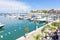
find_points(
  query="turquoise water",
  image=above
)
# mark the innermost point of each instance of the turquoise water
(14, 28)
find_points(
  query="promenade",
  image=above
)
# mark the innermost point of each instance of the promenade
(30, 35)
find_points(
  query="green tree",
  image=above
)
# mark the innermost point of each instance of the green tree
(44, 11)
(57, 24)
(32, 11)
(38, 36)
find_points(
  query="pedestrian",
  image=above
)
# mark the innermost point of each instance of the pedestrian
(55, 36)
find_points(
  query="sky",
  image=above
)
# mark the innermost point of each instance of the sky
(19, 6)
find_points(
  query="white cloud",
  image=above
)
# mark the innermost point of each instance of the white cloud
(13, 6)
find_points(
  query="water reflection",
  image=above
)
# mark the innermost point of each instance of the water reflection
(2, 29)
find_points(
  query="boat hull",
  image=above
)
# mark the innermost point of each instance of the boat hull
(1, 26)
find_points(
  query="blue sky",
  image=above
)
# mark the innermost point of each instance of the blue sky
(17, 6)
(43, 4)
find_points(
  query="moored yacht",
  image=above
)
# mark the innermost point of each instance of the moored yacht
(1, 25)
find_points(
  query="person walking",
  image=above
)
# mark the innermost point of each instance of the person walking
(55, 36)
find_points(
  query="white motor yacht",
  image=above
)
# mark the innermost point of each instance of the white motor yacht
(1, 25)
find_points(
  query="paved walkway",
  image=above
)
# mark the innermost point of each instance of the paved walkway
(21, 38)
(29, 36)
